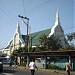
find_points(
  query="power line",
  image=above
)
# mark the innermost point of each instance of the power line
(5, 11)
(38, 7)
(6, 26)
(24, 7)
(69, 28)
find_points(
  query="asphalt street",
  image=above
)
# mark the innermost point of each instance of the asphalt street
(26, 72)
(23, 71)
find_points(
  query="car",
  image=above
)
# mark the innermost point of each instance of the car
(1, 65)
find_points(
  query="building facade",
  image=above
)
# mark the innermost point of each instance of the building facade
(20, 40)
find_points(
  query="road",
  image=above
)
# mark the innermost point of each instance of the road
(26, 72)
(17, 71)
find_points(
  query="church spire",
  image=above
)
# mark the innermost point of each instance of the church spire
(18, 28)
(57, 16)
(57, 22)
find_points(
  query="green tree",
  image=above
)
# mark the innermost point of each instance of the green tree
(43, 39)
(50, 43)
(71, 37)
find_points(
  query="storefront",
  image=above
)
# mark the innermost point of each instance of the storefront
(63, 55)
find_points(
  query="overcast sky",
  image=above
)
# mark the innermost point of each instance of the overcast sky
(41, 14)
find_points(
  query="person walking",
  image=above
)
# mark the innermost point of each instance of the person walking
(15, 62)
(32, 67)
(11, 62)
(68, 67)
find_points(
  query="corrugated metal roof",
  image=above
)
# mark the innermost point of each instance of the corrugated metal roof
(35, 36)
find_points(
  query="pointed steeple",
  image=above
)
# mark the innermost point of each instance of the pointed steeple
(57, 16)
(18, 28)
(57, 22)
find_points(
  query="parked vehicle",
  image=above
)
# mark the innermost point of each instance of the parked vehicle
(1, 65)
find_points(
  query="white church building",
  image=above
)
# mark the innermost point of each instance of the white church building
(19, 40)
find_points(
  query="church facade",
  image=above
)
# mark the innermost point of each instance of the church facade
(20, 40)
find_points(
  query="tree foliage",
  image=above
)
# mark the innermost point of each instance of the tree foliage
(71, 37)
(70, 47)
(50, 43)
(20, 49)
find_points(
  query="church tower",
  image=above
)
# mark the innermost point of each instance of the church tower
(17, 40)
(57, 30)
(18, 28)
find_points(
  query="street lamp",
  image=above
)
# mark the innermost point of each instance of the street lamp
(27, 24)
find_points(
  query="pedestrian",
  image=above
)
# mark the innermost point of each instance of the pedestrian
(68, 67)
(32, 67)
(11, 62)
(15, 62)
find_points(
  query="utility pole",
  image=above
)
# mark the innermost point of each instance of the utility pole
(27, 24)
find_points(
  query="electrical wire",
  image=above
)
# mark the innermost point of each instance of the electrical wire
(24, 7)
(37, 8)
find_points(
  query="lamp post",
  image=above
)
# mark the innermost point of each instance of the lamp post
(27, 24)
